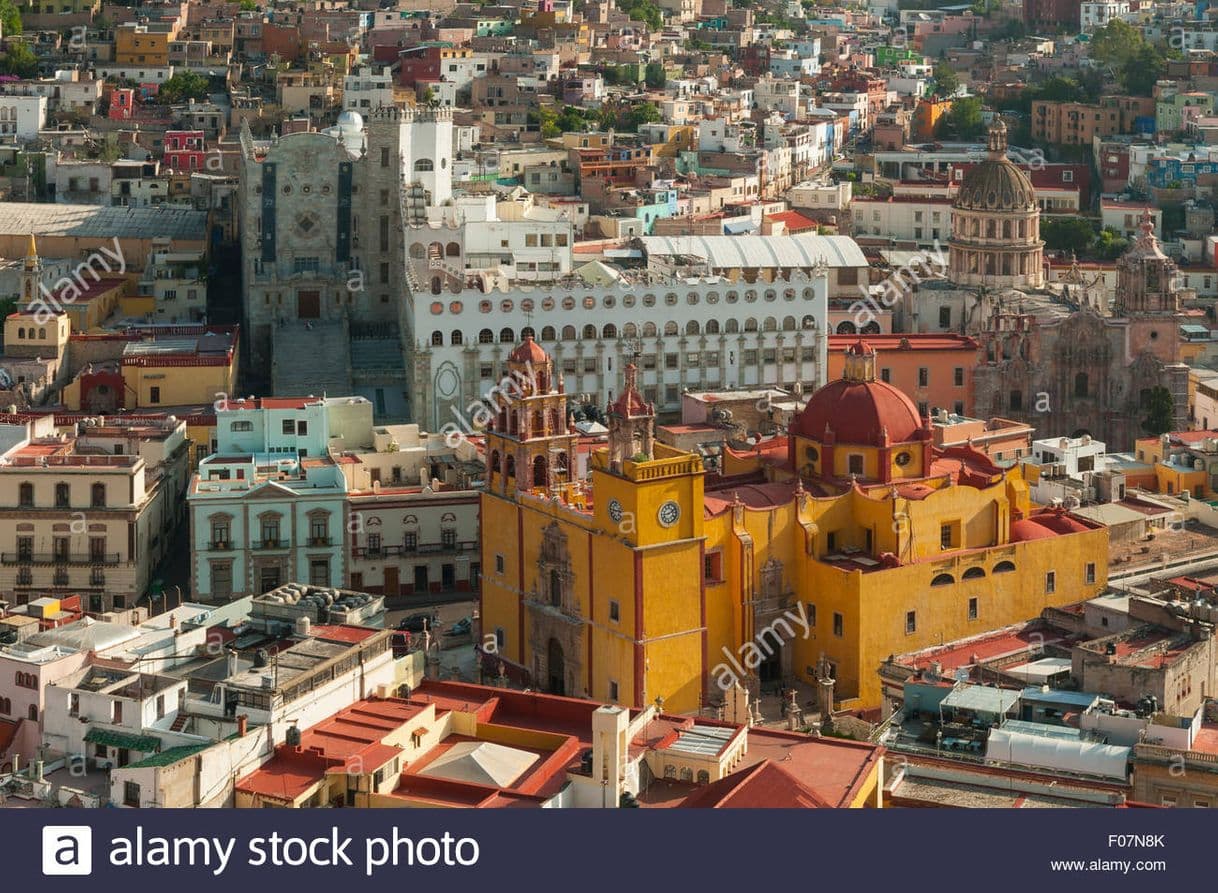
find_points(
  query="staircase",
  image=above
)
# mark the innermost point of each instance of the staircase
(180, 722)
(311, 357)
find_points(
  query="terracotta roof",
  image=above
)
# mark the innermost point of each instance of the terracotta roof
(764, 786)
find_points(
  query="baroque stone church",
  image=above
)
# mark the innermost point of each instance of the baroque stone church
(1062, 358)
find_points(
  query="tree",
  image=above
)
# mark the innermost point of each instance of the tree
(963, 122)
(182, 86)
(1144, 68)
(10, 18)
(655, 76)
(1115, 44)
(548, 119)
(248, 5)
(19, 60)
(1067, 233)
(1109, 245)
(947, 82)
(643, 11)
(643, 113)
(1160, 412)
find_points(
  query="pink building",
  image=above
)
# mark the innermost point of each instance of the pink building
(184, 150)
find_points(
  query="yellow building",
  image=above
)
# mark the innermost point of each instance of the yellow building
(849, 540)
(139, 45)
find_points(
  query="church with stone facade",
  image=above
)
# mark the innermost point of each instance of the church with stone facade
(1068, 357)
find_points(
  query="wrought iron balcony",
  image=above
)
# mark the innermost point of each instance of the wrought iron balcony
(270, 544)
(74, 559)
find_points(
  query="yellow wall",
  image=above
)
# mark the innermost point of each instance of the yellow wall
(180, 385)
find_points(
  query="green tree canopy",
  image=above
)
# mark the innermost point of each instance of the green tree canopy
(10, 18)
(19, 60)
(1115, 44)
(183, 86)
(963, 122)
(1160, 412)
(655, 76)
(947, 82)
(1147, 65)
(1067, 233)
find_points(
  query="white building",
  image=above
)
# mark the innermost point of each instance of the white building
(707, 313)
(1095, 14)
(1070, 456)
(921, 220)
(22, 116)
(366, 90)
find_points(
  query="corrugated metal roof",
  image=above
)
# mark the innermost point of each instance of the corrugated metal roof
(981, 699)
(803, 250)
(102, 222)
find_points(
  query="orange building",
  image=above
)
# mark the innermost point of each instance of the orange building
(936, 370)
(926, 117)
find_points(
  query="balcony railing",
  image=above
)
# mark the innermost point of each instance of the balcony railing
(76, 559)
(320, 541)
(270, 544)
(220, 546)
(420, 549)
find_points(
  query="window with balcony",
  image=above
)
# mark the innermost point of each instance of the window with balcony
(319, 530)
(98, 500)
(25, 497)
(60, 548)
(220, 533)
(374, 544)
(410, 541)
(63, 497)
(270, 532)
(448, 538)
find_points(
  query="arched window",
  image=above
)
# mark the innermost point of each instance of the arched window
(98, 496)
(973, 573)
(788, 323)
(1004, 567)
(770, 324)
(846, 327)
(691, 327)
(540, 472)
(452, 249)
(486, 336)
(943, 580)
(33, 713)
(670, 328)
(455, 338)
(712, 327)
(872, 328)
(649, 330)
(528, 332)
(25, 496)
(6, 706)
(21, 333)
(808, 322)
(424, 164)
(510, 469)
(731, 327)
(418, 250)
(437, 339)
(609, 331)
(630, 330)
(568, 333)
(1080, 385)
(589, 333)
(506, 336)
(437, 285)
(42, 334)
(750, 325)
(495, 462)
(548, 333)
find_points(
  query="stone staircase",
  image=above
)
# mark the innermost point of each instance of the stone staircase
(311, 357)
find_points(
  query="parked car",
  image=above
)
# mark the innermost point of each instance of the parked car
(416, 623)
(461, 628)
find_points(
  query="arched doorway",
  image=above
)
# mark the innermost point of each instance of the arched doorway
(556, 683)
(540, 475)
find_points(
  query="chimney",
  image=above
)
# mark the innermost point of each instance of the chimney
(242, 725)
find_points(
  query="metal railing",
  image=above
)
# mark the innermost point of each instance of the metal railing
(82, 559)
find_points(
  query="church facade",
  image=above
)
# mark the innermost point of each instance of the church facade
(810, 559)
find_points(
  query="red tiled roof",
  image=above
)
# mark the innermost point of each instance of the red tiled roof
(764, 786)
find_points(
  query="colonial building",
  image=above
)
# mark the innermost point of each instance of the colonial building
(808, 560)
(90, 512)
(1084, 371)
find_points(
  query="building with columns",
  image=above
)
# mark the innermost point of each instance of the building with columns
(995, 233)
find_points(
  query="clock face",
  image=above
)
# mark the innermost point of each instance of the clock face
(615, 511)
(669, 513)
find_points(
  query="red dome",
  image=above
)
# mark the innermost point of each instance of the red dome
(529, 351)
(1026, 529)
(858, 411)
(1059, 522)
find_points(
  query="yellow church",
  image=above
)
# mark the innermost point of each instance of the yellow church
(823, 552)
